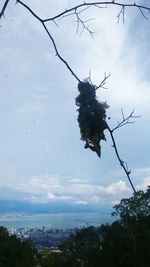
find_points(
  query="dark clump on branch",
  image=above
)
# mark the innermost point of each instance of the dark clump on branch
(92, 117)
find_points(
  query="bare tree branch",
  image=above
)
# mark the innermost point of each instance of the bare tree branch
(76, 10)
(100, 4)
(51, 38)
(103, 82)
(58, 54)
(143, 13)
(4, 8)
(73, 13)
(121, 13)
(125, 120)
(122, 163)
(83, 24)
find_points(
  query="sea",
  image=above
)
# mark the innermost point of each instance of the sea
(55, 220)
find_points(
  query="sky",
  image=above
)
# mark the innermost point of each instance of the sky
(42, 158)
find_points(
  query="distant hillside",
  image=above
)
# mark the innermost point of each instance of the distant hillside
(54, 207)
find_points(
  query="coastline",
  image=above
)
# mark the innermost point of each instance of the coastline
(54, 220)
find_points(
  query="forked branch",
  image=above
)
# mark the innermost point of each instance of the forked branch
(100, 4)
(103, 82)
(126, 120)
(76, 11)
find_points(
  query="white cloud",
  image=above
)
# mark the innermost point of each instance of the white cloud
(51, 196)
(142, 171)
(50, 188)
(113, 189)
(81, 202)
(144, 184)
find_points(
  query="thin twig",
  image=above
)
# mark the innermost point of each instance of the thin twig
(143, 13)
(83, 23)
(125, 120)
(100, 4)
(4, 8)
(81, 11)
(121, 13)
(101, 85)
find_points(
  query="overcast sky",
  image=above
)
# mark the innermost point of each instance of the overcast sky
(41, 155)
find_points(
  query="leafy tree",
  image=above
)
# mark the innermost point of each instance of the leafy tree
(124, 243)
(83, 247)
(14, 252)
(134, 207)
(53, 259)
(115, 246)
(134, 220)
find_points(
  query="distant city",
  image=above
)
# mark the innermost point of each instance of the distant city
(48, 225)
(44, 238)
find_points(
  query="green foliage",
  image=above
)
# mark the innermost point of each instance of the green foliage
(91, 118)
(14, 252)
(126, 246)
(124, 243)
(83, 247)
(134, 207)
(52, 259)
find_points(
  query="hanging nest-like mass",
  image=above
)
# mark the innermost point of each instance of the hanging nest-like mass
(92, 117)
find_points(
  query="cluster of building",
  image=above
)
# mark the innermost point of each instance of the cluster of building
(45, 237)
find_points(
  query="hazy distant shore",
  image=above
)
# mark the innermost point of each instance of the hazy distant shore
(54, 220)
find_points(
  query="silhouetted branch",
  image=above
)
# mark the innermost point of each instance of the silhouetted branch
(73, 13)
(83, 24)
(125, 120)
(51, 38)
(101, 85)
(77, 10)
(99, 4)
(121, 13)
(122, 163)
(30, 10)
(143, 13)
(58, 54)
(4, 8)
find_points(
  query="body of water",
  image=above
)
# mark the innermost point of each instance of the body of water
(55, 220)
